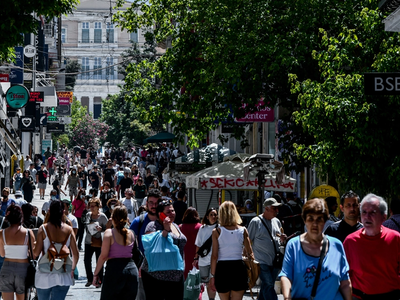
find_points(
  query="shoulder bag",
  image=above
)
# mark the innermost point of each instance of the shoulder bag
(253, 270)
(206, 247)
(318, 274)
(278, 260)
(30, 275)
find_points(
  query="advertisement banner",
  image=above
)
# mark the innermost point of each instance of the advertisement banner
(17, 74)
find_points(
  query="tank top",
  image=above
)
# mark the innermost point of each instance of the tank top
(230, 244)
(120, 251)
(16, 251)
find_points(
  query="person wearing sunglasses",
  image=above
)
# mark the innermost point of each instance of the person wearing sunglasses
(171, 280)
(203, 261)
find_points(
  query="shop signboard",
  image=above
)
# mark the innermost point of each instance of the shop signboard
(17, 74)
(17, 96)
(261, 114)
(27, 123)
(46, 144)
(382, 83)
(65, 98)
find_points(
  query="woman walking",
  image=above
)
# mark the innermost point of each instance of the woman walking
(27, 185)
(78, 207)
(14, 247)
(121, 276)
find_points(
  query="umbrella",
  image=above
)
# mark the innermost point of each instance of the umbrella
(160, 137)
(229, 175)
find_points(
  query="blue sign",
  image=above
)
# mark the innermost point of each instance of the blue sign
(17, 75)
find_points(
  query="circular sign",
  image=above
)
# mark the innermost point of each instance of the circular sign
(323, 191)
(29, 51)
(17, 96)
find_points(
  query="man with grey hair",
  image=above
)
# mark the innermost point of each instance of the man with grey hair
(266, 235)
(373, 253)
(130, 204)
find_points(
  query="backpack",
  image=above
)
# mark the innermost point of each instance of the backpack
(57, 259)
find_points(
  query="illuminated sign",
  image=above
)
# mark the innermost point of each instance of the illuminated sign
(36, 97)
(17, 96)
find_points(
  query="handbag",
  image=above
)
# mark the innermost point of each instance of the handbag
(96, 242)
(192, 286)
(161, 253)
(318, 274)
(31, 272)
(206, 247)
(278, 259)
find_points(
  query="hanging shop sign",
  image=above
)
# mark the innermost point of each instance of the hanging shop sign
(17, 96)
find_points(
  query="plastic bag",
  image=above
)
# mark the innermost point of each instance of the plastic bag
(192, 285)
(161, 253)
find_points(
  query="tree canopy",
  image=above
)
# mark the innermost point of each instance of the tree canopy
(17, 17)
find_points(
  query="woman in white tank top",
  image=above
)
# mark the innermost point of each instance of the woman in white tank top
(228, 271)
(14, 247)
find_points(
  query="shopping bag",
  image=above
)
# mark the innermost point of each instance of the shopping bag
(161, 253)
(192, 285)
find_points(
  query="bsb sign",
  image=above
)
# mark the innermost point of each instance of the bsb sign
(382, 83)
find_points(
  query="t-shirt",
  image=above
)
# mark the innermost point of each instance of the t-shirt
(300, 268)
(93, 154)
(95, 177)
(79, 207)
(135, 228)
(374, 261)
(102, 220)
(131, 206)
(341, 229)
(204, 233)
(50, 161)
(108, 175)
(263, 249)
(125, 183)
(83, 153)
(180, 208)
(4, 205)
(73, 219)
(140, 191)
(392, 222)
(42, 174)
(73, 182)
(120, 175)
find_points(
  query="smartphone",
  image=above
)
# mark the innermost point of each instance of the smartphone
(162, 216)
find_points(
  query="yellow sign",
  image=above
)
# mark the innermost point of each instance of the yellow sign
(66, 95)
(324, 191)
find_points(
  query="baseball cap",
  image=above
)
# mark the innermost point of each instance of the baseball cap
(271, 202)
(18, 193)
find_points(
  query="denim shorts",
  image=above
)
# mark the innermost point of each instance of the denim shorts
(205, 273)
(12, 277)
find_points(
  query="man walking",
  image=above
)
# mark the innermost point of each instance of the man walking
(130, 204)
(265, 234)
(373, 253)
(349, 205)
(41, 177)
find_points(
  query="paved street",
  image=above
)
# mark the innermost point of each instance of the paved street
(79, 291)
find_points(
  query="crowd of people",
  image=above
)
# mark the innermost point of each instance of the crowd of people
(113, 203)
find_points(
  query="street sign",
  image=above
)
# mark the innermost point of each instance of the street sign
(4, 78)
(27, 123)
(55, 127)
(63, 110)
(43, 119)
(29, 51)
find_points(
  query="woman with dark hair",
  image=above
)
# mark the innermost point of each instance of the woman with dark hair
(27, 184)
(209, 223)
(169, 283)
(96, 223)
(55, 285)
(121, 276)
(190, 227)
(106, 194)
(14, 247)
(79, 205)
(30, 221)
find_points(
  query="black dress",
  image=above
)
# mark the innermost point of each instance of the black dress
(27, 185)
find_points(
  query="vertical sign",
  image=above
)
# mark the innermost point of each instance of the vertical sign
(17, 74)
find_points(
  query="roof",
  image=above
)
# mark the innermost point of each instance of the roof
(389, 5)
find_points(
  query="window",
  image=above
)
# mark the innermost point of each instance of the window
(133, 37)
(97, 65)
(96, 111)
(110, 68)
(63, 34)
(85, 68)
(110, 33)
(97, 32)
(85, 32)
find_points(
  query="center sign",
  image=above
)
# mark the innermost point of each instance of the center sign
(17, 96)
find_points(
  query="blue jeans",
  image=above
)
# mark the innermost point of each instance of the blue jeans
(58, 292)
(268, 276)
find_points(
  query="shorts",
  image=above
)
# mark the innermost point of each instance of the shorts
(12, 277)
(51, 171)
(205, 273)
(42, 185)
(231, 275)
(73, 192)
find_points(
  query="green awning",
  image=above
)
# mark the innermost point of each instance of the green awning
(160, 137)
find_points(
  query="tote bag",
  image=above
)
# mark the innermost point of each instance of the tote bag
(161, 253)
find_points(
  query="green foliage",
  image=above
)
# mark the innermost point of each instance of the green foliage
(17, 17)
(127, 113)
(88, 132)
(61, 139)
(78, 112)
(72, 67)
(356, 136)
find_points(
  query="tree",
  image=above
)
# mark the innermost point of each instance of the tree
(88, 132)
(356, 136)
(18, 16)
(72, 68)
(78, 112)
(127, 118)
(229, 53)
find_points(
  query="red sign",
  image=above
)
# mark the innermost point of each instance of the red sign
(227, 183)
(36, 97)
(4, 78)
(262, 114)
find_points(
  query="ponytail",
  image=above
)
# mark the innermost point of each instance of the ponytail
(120, 218)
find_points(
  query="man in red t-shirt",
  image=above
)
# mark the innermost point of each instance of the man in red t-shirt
(373, 253)
(50, 166)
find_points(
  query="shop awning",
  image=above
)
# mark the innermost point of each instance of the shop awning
(160, 137)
